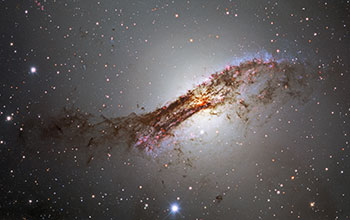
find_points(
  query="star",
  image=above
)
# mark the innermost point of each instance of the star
(174, 208)
(33, 70)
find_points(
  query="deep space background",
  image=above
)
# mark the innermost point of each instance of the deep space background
(111, 58)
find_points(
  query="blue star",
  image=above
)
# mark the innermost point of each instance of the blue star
(174, 208)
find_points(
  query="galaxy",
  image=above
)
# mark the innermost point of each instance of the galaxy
(174, 110)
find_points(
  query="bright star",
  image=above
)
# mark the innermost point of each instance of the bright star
(174, 208)
(33, 70)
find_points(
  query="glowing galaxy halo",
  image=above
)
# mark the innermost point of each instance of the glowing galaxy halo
(237, 93)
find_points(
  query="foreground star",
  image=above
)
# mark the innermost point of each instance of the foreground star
(174, 208)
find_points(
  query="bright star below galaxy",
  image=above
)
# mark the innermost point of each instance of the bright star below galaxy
(174, 208)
